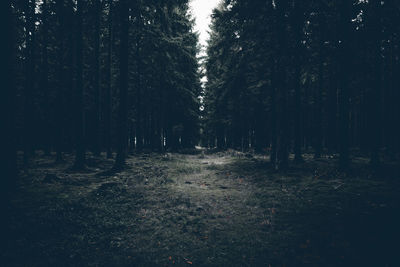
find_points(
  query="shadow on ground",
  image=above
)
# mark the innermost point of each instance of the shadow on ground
(209, 210)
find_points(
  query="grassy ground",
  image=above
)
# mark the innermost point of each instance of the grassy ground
(221, 209)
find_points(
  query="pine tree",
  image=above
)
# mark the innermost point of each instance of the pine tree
(96, 130)
(344, 62)
(79, 110)
(30, 74)
(123, 86)
(8, 157)
(108, 100)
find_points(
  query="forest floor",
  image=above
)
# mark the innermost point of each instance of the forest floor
(220, 209)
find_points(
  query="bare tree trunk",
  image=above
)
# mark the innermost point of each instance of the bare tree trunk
(8, 158)
(108, 100)
(282, 93)
(96, 133)
(80, 143)
(298, 28)
(29, 81)
(123, 90)
(318, 98)
(60, 109)
(375, 124)
(344, 59)
(45, 82)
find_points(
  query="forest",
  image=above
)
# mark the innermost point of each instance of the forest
(126, 142)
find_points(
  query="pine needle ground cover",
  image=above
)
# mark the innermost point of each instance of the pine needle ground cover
(220, 209)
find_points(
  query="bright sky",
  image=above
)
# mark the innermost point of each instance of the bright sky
(201, 10)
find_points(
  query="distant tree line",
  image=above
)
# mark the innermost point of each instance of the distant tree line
(289, 75)
(102, 76)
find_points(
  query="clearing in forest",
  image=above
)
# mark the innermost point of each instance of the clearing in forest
(206, 210)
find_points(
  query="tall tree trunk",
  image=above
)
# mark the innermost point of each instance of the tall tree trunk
(318, 98)
(29, 80)
(8, 157)
(392, 101)
(297, 116)
(375, 124)
(395, 94)
(80, 142)
(45, 82)
(332, 108)
(282, 119)
(123, 90)
(298, 29)
(345, 61)
(139, 112)
(96, 133)
(108, 100)
(60, 108)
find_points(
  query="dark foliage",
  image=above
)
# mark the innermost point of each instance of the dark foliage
(294, 75)
(72, 58)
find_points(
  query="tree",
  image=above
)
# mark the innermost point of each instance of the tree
(8, 154)
(79, 112)
(375, 125)
(344, 63)
(44, 83)
(282, 90)
(60, 109)
(264, 55)
(319, 89)
(123, 86)
(30, 31)
(96, 132)
(297, 24)
(108, 100)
